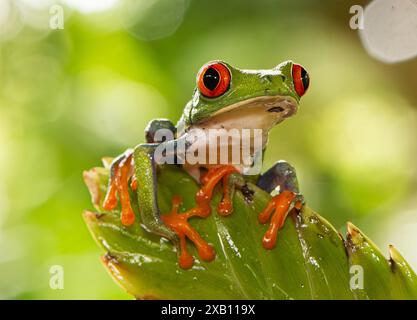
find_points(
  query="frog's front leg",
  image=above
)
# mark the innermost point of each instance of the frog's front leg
(283, 176)
(231, 182)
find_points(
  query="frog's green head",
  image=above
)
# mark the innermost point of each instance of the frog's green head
(224, 90)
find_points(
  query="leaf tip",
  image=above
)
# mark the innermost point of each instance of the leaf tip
(352, 230)
(90, 216)
(395, 255)
(354, 237)
(106, 161)
(91, 180)
(108, 258)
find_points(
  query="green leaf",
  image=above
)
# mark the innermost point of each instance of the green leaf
(311, 259)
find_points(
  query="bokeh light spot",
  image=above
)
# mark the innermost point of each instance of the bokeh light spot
(389, 32)
(117, 109)
(91, 6)
(153, 19)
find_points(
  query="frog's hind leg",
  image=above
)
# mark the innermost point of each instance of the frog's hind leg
(281, 176)
(145, 172)
(179, 223)
(173, 225)
(121, 171)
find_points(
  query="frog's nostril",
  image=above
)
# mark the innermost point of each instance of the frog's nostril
(276, 109)
(267, 78)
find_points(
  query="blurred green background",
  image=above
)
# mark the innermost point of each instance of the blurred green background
(69, 97)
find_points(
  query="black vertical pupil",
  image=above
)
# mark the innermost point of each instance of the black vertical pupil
(305, 78)
(211, 78)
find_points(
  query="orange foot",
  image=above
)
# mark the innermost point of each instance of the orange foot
(209, 182)
(179, 223)
(282, 204)
(122, 171)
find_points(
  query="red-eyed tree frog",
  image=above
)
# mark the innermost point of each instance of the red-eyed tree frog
(225, 98)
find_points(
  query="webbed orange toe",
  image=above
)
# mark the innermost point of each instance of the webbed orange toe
(119, 185)
(279, 207)
(179, 223)
(225, 206)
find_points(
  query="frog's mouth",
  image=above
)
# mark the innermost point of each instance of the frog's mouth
(256, 113)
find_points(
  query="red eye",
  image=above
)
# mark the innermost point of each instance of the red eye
(213, 80)
(300, 78)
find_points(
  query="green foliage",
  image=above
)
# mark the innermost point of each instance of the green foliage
(311, 259)
(69, 96)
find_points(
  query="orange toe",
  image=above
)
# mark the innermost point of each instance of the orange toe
(119, 185)
(279, 207)
(179, 223)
